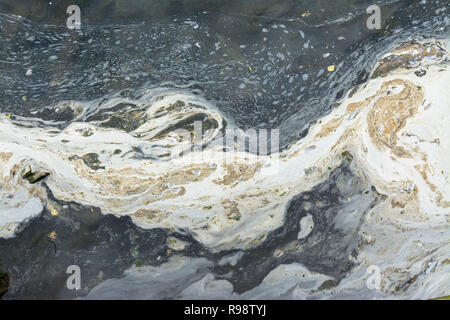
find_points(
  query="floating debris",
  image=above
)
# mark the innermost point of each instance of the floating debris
(33, 177)
(328, 284)
(420, 73)
(87, 132)
(306, 14)
(408, 55)
(91, 160)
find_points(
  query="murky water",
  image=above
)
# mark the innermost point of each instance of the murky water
(262, 64)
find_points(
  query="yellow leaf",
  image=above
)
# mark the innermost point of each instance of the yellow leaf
(306, 14)
(54, 212)
(331, 68)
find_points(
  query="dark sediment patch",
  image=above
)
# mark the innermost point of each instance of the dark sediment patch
(188, 124)
(128, 123)
(63, 114)
(91, 160)
(33, 176)
(174, 107)
(124, 116)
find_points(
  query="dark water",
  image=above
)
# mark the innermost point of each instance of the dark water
(260, 62)
(103, 246)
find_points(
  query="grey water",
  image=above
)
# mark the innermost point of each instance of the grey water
(263, 63)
